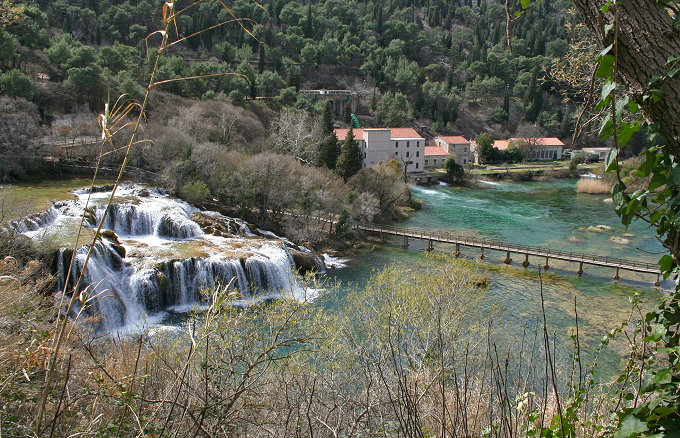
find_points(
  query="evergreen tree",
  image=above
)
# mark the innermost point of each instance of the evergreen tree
(327, 119)
(531, 89)
(454, 170)
(309, 29)
(506, 100)
(536, 106)
(350, 158)
(347, 116)
(485, 144)
(260, 61)
(328, 148)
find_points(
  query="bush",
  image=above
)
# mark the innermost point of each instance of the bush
(16, 84)
(195, 192)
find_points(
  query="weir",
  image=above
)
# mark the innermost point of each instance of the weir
(509, 248)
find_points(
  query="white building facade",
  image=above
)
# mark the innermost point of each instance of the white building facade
(380, 145)
(458, 147)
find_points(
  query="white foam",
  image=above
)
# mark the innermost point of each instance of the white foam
(334, 262)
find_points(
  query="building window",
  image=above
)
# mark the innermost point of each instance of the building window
(464, 161)
(407, 154)
(416, 165)
(396, 153)
(417, 154)
(417, 144)
(407, 144)
(435, 162)
(396, 144)
(426, 162)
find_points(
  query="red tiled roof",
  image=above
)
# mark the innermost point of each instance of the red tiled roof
(454, 139)
(404, 133)
(501, 144)
(435, 150)
(542, 141)
(394, 133)
(341, 133)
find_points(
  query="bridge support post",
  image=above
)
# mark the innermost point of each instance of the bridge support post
(657, 283)
(546, 266)
(481, 257)
(457, 253)
(507, 258)
(430, 247)
(580, 269)
(525, 263)
(616, 275)
(405, 245)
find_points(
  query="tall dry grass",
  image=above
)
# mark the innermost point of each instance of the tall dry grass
(593, 186)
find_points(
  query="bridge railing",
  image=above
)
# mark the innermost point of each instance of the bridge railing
(504, 246)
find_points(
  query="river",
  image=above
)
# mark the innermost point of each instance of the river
(550, 214)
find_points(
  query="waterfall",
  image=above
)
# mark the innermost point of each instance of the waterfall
(132, 280)
(121, 295)
(150, 220)
(35, 221)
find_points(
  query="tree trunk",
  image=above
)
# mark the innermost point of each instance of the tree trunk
(646, 40)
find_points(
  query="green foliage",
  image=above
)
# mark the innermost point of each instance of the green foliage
(485, 147)
(498, 115)
(195, 192)
(15, 83)
(393, 110)
(454, 170)
(350, 159)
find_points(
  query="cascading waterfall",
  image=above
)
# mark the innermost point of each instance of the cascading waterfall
(35, 221)
(122, 292)
(143, 220)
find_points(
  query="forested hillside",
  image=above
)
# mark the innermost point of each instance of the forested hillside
(444, 63)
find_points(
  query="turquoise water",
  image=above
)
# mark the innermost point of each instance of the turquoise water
(549, 214)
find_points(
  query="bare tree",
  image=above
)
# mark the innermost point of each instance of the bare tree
(297, 133)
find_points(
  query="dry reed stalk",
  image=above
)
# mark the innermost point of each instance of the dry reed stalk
(593, 186)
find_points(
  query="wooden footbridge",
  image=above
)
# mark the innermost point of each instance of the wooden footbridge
(509, 249)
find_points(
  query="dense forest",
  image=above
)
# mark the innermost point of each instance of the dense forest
(443, 67)
(447, 64)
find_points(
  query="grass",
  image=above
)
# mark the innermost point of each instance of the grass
(593, 186)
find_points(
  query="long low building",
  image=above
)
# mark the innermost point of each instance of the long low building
(382, 144)
(535, 149)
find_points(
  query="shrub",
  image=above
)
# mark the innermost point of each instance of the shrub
(195, 192)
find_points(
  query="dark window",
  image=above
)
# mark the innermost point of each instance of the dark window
(407, 154)
(407, 144)
(417, 153)
(416, 165)
(396, 144)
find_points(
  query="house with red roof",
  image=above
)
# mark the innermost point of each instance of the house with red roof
(383, 144)
(535, 149)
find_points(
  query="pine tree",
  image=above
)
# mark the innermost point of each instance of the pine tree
(347, 116)
(350, 159)
(309, 29)
(531, 89)
(327, 119)
(506, 100)
(260, 61)
(328, 148)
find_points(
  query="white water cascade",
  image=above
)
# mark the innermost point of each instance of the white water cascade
(161, 254)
